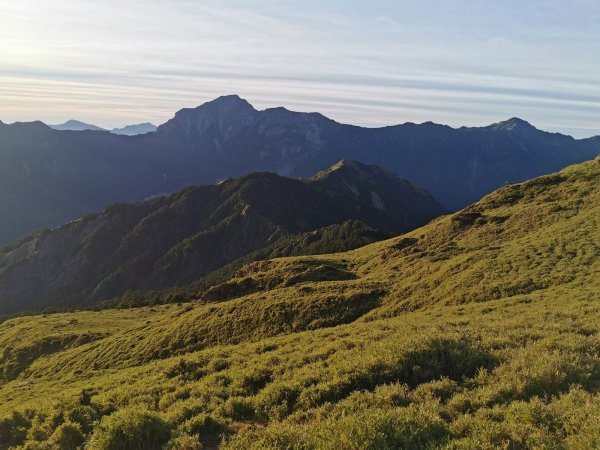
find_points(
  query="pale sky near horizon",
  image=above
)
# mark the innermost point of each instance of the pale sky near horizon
(375, 63)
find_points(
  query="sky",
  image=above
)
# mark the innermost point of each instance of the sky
(370, 63)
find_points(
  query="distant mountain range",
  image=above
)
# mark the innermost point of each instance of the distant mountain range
(134, 130)
(48, 177)
(128, 130)
(176, 239)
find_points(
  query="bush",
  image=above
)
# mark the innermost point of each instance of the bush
(443, 357)
(406, 428)
(130, 429)
(203, 425)
(184, 442)
(67, 436)
(82, 415)
(237, 408)
(13, 429)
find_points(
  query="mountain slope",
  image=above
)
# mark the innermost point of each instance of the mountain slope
(479, 330)
(174, 240)
(135, 129)
(75, 125)
(49, 177)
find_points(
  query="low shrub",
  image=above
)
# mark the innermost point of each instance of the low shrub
(67, 436)
(130, 429)
(184, 442)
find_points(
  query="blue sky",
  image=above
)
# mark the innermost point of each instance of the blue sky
(369, 63)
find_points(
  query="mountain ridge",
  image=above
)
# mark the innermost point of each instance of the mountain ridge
(135, 129)
(66, 175)
(127, 130)
(174, 240)
(234, 99)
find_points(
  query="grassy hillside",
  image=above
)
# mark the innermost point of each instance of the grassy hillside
(346, 236)
(479, 330)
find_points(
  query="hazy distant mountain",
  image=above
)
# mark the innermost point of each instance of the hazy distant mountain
(76, 125)
(132, 130)
(127, 130)
(175, 239)
(48, 177)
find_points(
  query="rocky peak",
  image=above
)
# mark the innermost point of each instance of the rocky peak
(354, 169)
(514, 124)
(225, 107)
(221, 117)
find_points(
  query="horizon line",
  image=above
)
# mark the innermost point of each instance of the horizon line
(561, 131)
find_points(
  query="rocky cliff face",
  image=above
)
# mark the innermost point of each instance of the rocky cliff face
(221, 120)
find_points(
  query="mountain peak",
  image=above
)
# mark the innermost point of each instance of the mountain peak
(513, 124)
(374, 187)
(76, 125)
(35, 125)
(228, 102)
(226, 105)
(349, 166)
(224, 114)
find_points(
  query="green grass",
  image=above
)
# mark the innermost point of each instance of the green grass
(479, 330)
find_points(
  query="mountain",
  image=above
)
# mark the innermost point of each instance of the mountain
(174, 240)
(127, 130)
(133, 130)
(458, 166)
(49, 177)
(478, 330)
(75, 125)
